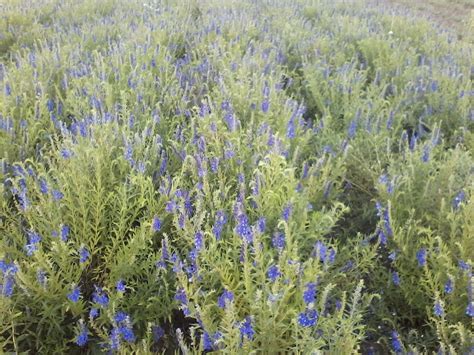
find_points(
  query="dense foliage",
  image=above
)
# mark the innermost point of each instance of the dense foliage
(243, 176)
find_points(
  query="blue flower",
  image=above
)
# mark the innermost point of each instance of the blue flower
(199, 241)
(320, 251)
(448, 286)
(308, 318)
(421, 257)
(120, 286)
(278, 241)
(309, 295)
(158, 332)
(246, 329)
(387, 224)
(396, 344)
(94, 312)
(66, 153)
(82, 337)
(221, 220)
(83, 254)
(43, 186)
(396, 278)
(115, 339)
(181, 297)
(74, 295)
(265, 105)
(121, 317)
(127, 334)
(57, 195)
(207, 342)
(64, 232)
(290, 129)
(458, 199)
(470, 309)
(100, 297)
(243, 228)
(352, 129)
(463, 265)
(214, 163)
(227, 296)
(438, 309)
(41, 277)
(273, 273)
(156, 224)
(286, 212)
(33, 240)
(8, 270)
(261, 224)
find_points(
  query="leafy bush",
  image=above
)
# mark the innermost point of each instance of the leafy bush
(237, 177)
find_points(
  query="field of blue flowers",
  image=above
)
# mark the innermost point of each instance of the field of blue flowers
(290, 176)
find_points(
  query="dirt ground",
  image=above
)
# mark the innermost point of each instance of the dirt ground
(457, 15)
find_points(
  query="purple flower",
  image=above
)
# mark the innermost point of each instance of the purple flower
(286, 212)
(278, 241)
(57, 195)
(83, 254)
(214, 163)
(246, 329)
(290, 129)
(265, 105)
(82, 337)
(226, 297)
(308, 318)
(309, 295)
(156, 224)
(120, 286)
(74, 295)
(352, 129)
(273, 273)
(171, 206)
(438, 309)
(43, 186)
(421, 257)
(66, 153)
